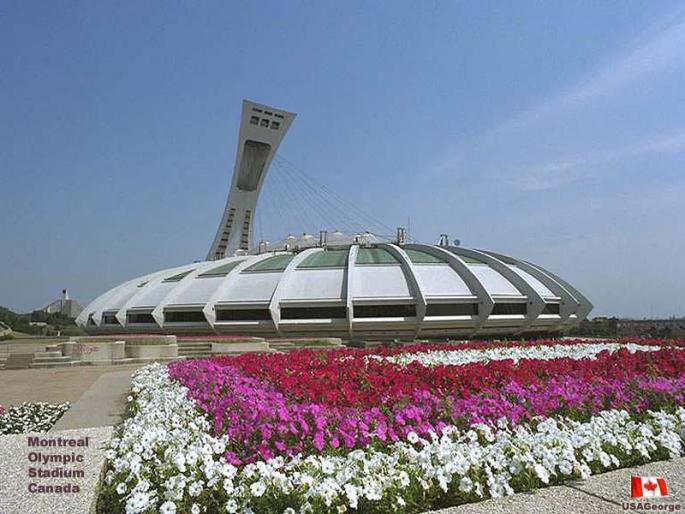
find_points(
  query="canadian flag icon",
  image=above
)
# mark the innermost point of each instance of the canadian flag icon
(648, 487)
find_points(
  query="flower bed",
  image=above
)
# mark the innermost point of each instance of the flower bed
(30, 417)
(389, 430)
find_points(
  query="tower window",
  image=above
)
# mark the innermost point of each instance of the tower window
(275, 125)
(265, 122)
(254, 120)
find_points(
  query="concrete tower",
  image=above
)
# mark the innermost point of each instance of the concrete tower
(262, 129)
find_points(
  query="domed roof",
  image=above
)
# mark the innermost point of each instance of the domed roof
(352, 288)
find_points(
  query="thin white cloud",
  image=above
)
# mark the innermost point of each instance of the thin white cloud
(546, 176)
(661, 51)
(660, 48)
(554, 174)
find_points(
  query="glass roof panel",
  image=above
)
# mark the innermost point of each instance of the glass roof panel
(179, 276)
(375, 256)
(325, 259)
(420, 257)
(221, 271)
(275, 263)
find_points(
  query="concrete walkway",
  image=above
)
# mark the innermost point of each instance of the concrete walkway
(605, 493)
(55, 385)
(102, 405)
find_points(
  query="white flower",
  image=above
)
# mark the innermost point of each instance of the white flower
(231, 506)
(180, 461)
(195, 509)
(542, 473)
(352, 495)
(327, 467)
(195, 489)
(566, 467)
(465, 485)
(413, 437)
(167, 508)
(121, 488)
(258, 489)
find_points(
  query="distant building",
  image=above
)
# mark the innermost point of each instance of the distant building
(674, 327)
(65, 306)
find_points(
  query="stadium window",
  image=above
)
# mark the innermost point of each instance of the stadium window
(139, 317)
(452, 309)
(275, 125)
(551, 308)
(256, 109)
(313, 313)
(243, 315)
(254, 120)
(384, 311)
(110, 319)
(265, 122)
(184, 317)
(509, 308)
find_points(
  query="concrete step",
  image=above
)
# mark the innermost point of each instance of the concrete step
(281, 345)
(198, 356)
(55, 364)
(243, 352)
(61, 358)
(47, 354)
(19, 361)
(194, 350)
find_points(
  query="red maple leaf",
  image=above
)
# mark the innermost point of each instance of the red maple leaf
(651, 486)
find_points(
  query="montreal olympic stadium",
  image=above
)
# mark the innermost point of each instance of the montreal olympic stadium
(352, 286)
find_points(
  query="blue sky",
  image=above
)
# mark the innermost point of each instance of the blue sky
(553, 131)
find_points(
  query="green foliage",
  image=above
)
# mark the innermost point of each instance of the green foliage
(17, 322)
(597, 327)
(56, 322)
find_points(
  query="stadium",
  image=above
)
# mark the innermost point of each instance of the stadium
(353, 286)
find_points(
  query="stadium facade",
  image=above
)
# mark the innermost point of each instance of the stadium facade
(353, 286)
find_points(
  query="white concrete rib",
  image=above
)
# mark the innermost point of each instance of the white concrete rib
(535, 302)
(274, 304)
(349, 279)
(569, 305)
(413, 279)
(485, 301)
